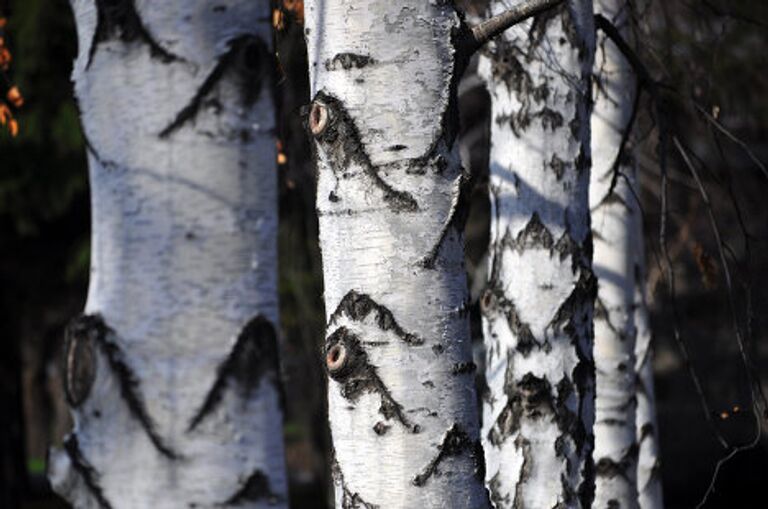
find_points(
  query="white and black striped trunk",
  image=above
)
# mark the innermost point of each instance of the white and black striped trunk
(625, 438)
(613, 209)
(391, 196)
(649, 485)
(537, 311)
(171, 372)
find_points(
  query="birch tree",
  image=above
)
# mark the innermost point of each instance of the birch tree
(171, 372)
(537, 311)
(613, 208)
(391, 200)
(625, 417)
(649, 487)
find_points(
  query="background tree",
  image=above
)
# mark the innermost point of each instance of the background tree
(172, 372)
(538, 306)
(626, 441)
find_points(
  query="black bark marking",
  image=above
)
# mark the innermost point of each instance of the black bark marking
(347, 363)
(86, 471)
(455, 442)
(357, 306)
(608, 468)
(249, 56)
(493, 299)
(457, 217)
(256, 487)
(130, 388)
(530, 397)
(342, 142)
(348, 61)
(523, 445)
(349, 500)
(461, 368)
(80, 362)
(254, 356)
(558, 166)
(119, 19)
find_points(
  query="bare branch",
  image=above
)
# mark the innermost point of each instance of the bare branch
(487, 30)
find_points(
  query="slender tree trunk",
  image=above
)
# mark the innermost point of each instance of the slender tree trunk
(613, 210)
(646, 428)
(171, 373)
(391, 201)
(626, 451)
(539, 409)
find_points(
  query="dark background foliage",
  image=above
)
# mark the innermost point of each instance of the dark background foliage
(710, 59)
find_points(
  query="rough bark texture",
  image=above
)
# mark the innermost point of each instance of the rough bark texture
(615, 239)
(539, 407)
(171, 372)
(401, 391)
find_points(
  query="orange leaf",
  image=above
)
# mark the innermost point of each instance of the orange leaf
(13, 126)
(5, 58)
(14, 96)
(5, 113)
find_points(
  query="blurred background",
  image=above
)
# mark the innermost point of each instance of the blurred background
(710, 59)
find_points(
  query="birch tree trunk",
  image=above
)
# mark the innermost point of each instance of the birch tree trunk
(613, 210)
(625, 415)
(646, 427)
(171, 372)
(539, 409)
(391, 201)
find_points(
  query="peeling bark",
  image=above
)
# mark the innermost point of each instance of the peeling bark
(537, 310)
(171, 373)
(390, 203)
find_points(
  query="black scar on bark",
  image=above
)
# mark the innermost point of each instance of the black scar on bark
(457, 217)
(356, 375)
(254, 356)
(120, 19)
(493, 298)
(256, 487)
(575, 309)
(86, 471)
(130, 388)
(343, 143)
(348, 61)
(80, 362)
(249, 56)
(608, 468)
(461, 368)
(349, 500)
(455, 442)
(357, 306)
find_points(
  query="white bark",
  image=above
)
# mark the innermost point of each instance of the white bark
(646, 427)
(390, 199)
(615, 240)
(539, 410)
(626, 451)
(172, 370)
